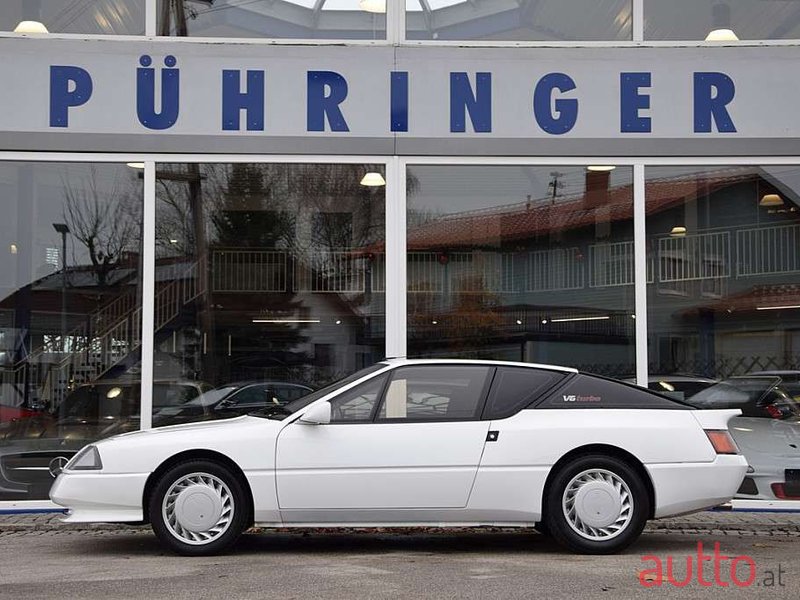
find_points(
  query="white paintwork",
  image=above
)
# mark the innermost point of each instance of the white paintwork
(383, 465)
(430, 473)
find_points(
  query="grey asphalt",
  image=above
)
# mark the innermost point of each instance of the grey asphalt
(63, 562)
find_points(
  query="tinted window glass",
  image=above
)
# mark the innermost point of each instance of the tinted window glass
(587, 391)
(435, 393)
(357, 404)
(515, 388)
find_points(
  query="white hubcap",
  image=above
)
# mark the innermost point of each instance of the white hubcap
(598, 504)
(198, 508)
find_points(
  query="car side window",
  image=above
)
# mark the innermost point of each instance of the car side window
(357, 405)
(435, 393)
(514, 388)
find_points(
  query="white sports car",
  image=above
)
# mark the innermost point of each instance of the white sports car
(585, 459)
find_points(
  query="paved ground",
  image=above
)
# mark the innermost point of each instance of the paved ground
(41, 558)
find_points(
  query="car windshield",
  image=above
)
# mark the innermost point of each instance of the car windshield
(281, 412)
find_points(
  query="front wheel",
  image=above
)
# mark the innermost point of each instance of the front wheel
(596, 505)
(198, 508)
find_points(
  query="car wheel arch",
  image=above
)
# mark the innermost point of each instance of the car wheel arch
(197, 454)
(607, 450)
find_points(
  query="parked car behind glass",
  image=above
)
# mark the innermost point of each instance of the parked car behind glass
(767, 432)
(29, 446)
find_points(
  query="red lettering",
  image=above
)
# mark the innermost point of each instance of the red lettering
(674, 581)
(651, 577)
(717, 558)
(749, 581)
(700, 558)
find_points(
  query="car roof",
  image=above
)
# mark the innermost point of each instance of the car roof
(467, 361)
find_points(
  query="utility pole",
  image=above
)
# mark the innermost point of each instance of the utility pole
(555, 185)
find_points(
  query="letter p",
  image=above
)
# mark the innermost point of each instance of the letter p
(69, 86)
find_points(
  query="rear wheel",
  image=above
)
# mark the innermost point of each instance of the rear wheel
(597, 505)
(198, 507)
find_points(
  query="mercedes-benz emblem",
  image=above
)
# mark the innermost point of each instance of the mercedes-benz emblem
(57, 465)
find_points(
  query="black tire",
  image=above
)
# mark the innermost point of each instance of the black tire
(568, 535)
(235, 510)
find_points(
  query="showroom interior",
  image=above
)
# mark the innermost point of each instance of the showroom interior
(148, 261)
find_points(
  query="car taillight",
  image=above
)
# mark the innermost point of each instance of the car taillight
(774, 412)
(722, 441)
(779, 489)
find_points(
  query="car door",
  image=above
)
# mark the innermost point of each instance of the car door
(410, 438)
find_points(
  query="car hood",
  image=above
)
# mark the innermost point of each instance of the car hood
(248, 441)
(199, 430)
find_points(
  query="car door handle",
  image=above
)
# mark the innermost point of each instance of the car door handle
(492, 436)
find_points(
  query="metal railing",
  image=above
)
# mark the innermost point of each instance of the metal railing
(694, 257)
(248, 271)
(768, 250)
(555, 270)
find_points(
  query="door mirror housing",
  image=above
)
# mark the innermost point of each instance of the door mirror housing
(319, 414)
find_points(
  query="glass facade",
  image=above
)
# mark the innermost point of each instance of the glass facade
(270, 281)
(519, 20)
(298, 19)
(724, 306)
(719, 20)
(71, 314)
(119, 17)
(270, 278)
(522, 263)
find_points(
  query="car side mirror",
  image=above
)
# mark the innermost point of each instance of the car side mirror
(319, 414)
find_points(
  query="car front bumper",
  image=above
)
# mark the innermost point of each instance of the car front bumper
(97, 497)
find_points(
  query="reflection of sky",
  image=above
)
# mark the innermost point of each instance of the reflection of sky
(452, 189)
(36, 192)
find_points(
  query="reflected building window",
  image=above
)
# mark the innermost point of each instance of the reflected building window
(518, 20)
(282, 19)
(721, 20)
(266, 273)
(70, 315)
(113, 17)
(522, 263)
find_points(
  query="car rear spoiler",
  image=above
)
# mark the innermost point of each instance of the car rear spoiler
(715, 419)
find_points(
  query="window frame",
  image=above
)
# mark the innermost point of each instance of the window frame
(481, 404)
(529, 401)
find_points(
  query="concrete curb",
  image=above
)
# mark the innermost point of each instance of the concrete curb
(712, 522)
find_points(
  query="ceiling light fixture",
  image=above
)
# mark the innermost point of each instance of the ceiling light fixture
(135, 165)
(372, 6)
(790, 306)
(722, 35)
(30, 27)
(570, 319)
(678, 231)
(373, 179)
(600, 168)
(286, 321)
(771, 200)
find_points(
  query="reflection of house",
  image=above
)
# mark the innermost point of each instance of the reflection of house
(541, 263)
